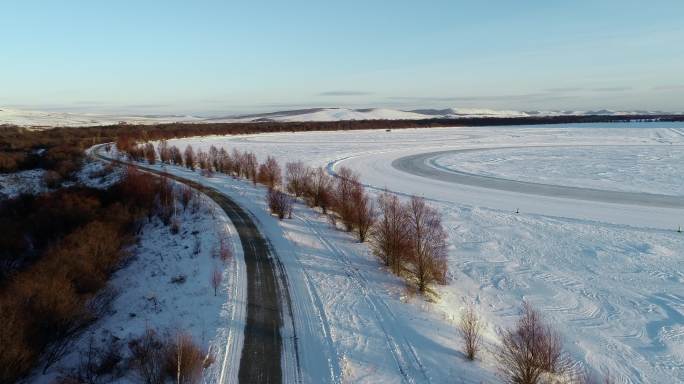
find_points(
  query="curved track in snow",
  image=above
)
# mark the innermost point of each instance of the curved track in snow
(425, 165)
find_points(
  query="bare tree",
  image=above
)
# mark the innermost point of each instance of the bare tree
(389, 236)
(223, 161)
(363, 211)
(470, 327)
(318, 190)
(203, 160)
(216, 278)
(150, 154)
(225, 250)
(269, 172)
(214, 158)
(530, 349)
(176, 156)
(164, 152)
(296, 176)
(279, 203)
(185, 196)
(345, 185)
(148, 357)
(250, 166)
(189, 157)
(186, 360)
(237, 163)
(427, 243)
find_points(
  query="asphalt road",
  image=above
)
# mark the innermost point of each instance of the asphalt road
(424, 165)
(262, 347)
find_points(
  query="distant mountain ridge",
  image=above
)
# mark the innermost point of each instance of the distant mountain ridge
(67, 119)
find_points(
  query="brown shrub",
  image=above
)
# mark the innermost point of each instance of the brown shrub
(389, 236)
(150, 154)
(319, 189)
(530, 349)
(186, 360)
(164, 152)
(175, 155)
(279, 203)
(296, 176)
(363, 211)
(225, 250)
(249, 166)
(215, 279)
(189, 157)
(427, 243)
(470, 328)
(269, 173)
(203, 161)
(149, 357)
(342, 203)
(185, 196)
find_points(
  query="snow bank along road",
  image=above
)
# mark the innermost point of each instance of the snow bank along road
(262, 345)
(424, 164)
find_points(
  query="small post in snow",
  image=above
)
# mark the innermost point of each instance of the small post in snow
(517, 210)
(679, 229)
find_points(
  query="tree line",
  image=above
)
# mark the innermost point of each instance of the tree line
(408, 237)
(64, 146)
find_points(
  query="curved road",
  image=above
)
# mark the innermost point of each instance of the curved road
(424, 165)
(260, 361)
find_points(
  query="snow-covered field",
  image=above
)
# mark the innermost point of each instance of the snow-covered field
(609, 277)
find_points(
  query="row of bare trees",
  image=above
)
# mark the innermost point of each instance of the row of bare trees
(407, 236)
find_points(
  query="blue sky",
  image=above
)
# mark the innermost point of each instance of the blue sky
(212, 57)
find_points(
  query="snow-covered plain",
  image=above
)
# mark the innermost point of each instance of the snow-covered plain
(609, 277)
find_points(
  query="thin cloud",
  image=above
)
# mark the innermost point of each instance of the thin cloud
(567, 89)
(520, 97)
(676, 87)
(143, 106)
(345, 93)
(611, 89)
(89, 102)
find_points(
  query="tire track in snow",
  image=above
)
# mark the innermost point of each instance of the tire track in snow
(678, 131)
(403, 352)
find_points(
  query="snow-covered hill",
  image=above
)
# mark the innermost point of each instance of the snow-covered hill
(40, 119)
(331, 114)
(43, 119)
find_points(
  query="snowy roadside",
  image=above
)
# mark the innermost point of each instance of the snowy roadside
(166, 286)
